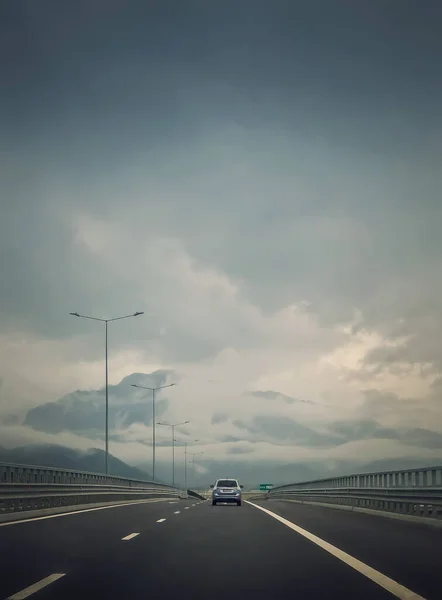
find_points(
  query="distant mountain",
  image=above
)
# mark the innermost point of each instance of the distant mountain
(83, 411)
(252, 474)
(61, 457)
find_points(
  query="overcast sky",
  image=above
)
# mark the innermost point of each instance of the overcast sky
(261, 178)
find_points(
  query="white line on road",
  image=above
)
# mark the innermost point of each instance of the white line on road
(129, 537)
(186, 507)
(36, 587)
(382, 580)
(177, 512)
(193, 504)
(85, 510)
(173, 502)
(161, 520)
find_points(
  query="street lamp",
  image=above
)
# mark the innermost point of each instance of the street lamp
(153, 390)
(185, 460)
(193, 454)
(173, 425)
(106, 321)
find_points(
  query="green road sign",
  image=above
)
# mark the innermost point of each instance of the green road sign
(265, 486)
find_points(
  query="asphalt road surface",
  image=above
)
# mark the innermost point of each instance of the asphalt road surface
(190, 549)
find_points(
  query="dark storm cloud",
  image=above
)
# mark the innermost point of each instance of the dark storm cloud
(239, 450)
(336, 433)
(287, 430)
(82, 412)
(218, 418)
(278, 396)
(293, 145)
(230, 439)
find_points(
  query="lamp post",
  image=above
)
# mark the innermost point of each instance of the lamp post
(185, 460)
(106, 321)
(153, 390)
(173, 425)
(193, 454)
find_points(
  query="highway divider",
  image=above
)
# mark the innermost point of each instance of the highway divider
(193, 494)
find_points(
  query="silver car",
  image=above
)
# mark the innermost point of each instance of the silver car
(226, 490)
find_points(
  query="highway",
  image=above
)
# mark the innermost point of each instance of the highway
(190, 549)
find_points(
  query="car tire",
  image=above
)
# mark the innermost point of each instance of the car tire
(213, 503)
(238, 503)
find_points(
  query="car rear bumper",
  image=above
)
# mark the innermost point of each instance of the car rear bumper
(226, 498)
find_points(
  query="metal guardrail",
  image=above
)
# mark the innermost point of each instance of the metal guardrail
(411, 492)
(24, 487)
(15, 473)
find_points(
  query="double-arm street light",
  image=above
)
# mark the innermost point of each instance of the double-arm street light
(153, 390)
(193, 454)
(185, 459)
(106, 321)
(173, 425)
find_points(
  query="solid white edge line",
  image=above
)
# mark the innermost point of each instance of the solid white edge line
(36, 587)
(129, 537)
(84, 510)
(161, 520)
(380, 579)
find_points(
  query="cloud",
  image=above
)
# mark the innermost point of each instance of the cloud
(82, 411)
(277, 396)
(281, 235)
(283, 430)
(239, 450)
(360, 430)
(218, 418)
(422, 438)
(391, 409)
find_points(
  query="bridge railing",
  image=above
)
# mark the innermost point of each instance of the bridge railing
(25, 487)
(415, 492)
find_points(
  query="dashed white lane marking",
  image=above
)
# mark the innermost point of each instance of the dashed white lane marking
(161, 520)
(382, 580)
(193, 504)
(186, 507)
(177, 512)
(36, 587)
(85, 510)
(173, 502)
(129, 537)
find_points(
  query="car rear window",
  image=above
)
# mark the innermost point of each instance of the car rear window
(227, 483)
